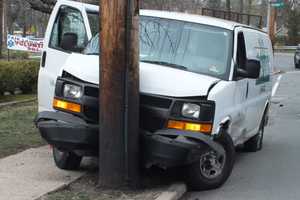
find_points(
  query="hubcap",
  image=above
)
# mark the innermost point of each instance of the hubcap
(210, 165)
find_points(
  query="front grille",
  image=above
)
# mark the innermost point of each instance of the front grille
(153, 109)
(91, 113)
(153, 112)
(149, 121)
(155, 101)
(91, 107)
(91, 91)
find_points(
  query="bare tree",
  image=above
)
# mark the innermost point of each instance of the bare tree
(228, 5)
(1, 26)
(241, 6)
(13, 11)
(250, 2)
(46, 6)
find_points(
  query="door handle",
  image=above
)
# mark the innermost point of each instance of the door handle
(44, 56)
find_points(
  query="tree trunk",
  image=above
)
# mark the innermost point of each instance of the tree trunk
(119, 93)
(1, 26)
(250, 6)
(5, 14)
(228, 5)
(241, 6)
(228, 9)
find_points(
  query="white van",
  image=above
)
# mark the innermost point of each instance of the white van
(205, 88)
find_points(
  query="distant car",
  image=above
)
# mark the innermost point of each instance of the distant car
(297, 57)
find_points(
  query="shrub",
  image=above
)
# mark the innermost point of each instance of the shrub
(15, 55)
(18, 74)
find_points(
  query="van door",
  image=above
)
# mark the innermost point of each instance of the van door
(258, 89)
(239, 123)
(67, 19)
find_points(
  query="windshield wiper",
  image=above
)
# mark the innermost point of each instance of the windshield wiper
(165, 64)
(95, 54)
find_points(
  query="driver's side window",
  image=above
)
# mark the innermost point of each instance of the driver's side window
(69, 24)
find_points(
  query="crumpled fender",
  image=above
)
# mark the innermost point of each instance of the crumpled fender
(197, 136)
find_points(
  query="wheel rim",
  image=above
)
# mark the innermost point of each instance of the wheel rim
(211, 166)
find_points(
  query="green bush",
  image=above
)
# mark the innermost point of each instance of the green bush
(15, 55)
(21, 74)
(280, 40)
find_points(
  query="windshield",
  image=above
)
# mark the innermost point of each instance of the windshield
(199, 48)
(94, 22)
(93, 46)
(188, 46)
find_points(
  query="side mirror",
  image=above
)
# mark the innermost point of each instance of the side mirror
(252, 70)
(69, 41)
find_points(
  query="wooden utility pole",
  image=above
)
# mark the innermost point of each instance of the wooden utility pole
(272, 23)
(119, 93)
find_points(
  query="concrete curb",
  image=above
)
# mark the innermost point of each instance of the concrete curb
(175, 192)
(12, 103)
(62, 187)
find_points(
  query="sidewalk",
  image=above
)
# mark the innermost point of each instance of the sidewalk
(31, 174)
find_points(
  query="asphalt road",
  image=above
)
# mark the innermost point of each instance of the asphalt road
(274, 172)
(284, 61)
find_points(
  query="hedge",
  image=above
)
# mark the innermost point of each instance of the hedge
(15, 55)
(22, 74)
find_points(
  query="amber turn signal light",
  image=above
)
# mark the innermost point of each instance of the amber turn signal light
(187, 126)
(60, 104)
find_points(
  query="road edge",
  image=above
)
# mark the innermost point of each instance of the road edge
(174, 192)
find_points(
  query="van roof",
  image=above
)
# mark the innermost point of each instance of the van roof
(77, 3)
(230, 25)
(212, 21)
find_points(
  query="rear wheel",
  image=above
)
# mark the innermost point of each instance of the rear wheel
(255, 143)
(211, 171)
(66, 160)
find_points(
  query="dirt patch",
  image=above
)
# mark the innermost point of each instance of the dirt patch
(153, 183)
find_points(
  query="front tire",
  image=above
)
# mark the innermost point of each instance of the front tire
(255, 143)
(209, 172)
(66, 160)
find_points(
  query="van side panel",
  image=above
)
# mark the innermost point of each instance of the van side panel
(243, 102)
(257, 48)
(229, 99)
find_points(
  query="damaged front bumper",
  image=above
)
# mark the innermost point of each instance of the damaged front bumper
(68, 132)
(164, 148)
(171, 148)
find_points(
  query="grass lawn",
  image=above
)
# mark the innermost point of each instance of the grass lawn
(17, 130)
(4, 99)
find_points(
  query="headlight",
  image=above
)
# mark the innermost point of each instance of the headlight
(190, 110)
(72, 91)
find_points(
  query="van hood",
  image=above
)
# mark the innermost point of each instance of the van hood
(154, 79)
